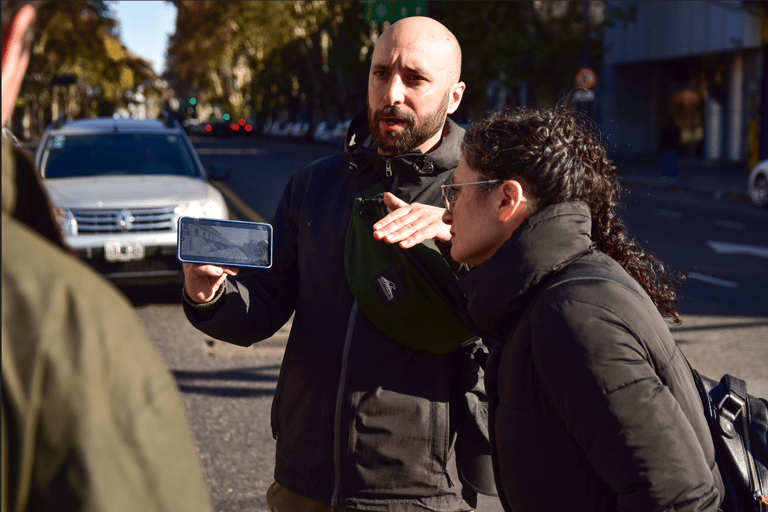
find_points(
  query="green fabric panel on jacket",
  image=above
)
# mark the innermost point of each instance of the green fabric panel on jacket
(405, 296)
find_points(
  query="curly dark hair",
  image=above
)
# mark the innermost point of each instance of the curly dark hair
(557, 156)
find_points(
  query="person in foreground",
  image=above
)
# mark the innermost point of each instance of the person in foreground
(362, 422)
(593, 406)
(91, 416)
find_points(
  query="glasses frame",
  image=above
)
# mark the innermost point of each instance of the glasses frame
(449, 192)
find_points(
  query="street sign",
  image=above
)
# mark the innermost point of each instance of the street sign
(583, 95)
(391, 11)
(585, 78)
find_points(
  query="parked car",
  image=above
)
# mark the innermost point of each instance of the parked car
(193, 126)
(758, 184)
(299, 130)
(119, 187)
(321, 132)
(339, 133)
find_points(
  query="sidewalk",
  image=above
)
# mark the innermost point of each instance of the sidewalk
(721, 180)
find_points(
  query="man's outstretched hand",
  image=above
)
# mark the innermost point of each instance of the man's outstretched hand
(410, 224)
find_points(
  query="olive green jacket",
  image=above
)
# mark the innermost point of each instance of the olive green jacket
(91, 417)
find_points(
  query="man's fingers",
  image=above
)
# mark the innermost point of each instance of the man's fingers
(393, 202)
(412, 224)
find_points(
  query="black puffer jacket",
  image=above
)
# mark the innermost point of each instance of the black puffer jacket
(593, 407)
(360, 420)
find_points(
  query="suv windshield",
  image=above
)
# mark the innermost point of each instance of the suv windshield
(68, 156)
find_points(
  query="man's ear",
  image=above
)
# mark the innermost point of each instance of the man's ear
(512, 198)
(456, 93)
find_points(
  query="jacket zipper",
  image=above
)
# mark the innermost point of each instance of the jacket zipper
(383, 211)
(339, 400)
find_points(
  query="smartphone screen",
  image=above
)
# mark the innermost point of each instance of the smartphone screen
(229, 243)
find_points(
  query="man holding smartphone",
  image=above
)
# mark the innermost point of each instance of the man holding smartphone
(362, 422)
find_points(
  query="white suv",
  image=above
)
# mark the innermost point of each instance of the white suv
(118, 188)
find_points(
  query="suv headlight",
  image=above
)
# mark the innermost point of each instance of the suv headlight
(209, 208)
(66, 220)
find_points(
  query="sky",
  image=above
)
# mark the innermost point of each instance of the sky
(144, 28)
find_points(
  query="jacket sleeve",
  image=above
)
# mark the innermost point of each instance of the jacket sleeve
(91, 417)
(597, 376)
(258, 302)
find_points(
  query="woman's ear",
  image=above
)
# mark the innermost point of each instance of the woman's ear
(512, 200)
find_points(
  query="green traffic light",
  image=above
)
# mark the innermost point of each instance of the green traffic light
(192, 101)
(226, 117)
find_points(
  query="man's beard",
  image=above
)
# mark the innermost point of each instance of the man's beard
(413, 135)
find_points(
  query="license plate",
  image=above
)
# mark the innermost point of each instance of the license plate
(117, 251)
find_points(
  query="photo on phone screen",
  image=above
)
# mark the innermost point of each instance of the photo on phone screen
(220, 242)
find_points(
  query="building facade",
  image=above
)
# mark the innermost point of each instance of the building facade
(697, 64)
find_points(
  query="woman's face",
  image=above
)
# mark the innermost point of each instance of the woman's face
(476, 232)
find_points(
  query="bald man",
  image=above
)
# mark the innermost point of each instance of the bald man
(362, 421)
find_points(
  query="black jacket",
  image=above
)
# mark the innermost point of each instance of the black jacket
(593, 406)
(360, 420)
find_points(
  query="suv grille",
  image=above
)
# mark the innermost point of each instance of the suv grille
(120, 221)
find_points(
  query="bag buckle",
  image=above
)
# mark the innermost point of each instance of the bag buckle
(728, 408)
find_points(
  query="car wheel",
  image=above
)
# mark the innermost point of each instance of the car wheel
(759, 191)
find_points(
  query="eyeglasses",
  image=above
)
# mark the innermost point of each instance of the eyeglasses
(449, 190)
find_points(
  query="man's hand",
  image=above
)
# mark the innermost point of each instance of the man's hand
(201, 282)
(410, 224)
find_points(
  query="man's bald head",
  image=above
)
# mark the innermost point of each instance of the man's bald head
(413, 85)
(428, 35)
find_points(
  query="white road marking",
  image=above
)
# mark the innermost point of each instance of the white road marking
(668, 213)
(729, 248)
(730, 225)
(712, 280)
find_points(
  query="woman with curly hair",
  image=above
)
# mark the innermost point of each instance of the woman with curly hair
(593, 406)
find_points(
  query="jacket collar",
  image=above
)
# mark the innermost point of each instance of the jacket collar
(359, 144)
(544, 243)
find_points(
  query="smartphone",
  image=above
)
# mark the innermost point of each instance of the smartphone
(226, 243)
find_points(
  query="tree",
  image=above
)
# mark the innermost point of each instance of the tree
(78, 43)
(280, 46)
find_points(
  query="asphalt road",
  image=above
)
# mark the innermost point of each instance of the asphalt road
(721, 247)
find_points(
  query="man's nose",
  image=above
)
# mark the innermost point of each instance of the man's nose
(395, 91)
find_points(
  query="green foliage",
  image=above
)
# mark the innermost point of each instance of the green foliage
(80, 38)
(312, 56)
(277, 42)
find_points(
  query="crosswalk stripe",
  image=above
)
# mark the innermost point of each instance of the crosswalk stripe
(711, 280)
(729, 248)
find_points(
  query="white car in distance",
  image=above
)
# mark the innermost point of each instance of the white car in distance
(118, 187)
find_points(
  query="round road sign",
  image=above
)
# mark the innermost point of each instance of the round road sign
(586, 78)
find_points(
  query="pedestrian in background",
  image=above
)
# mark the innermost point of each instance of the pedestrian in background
(362, 421)
(91, 417)
(593, 406)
